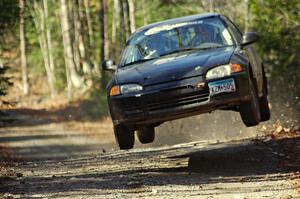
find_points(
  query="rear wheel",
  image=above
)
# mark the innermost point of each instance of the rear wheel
(146, 134)
(124, 136)
(264, 103)
(249, 110)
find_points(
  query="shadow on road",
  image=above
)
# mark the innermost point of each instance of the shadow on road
(250, 159)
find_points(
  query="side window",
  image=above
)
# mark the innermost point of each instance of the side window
(233, 29)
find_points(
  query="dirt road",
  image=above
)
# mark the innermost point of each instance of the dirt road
(47, 160)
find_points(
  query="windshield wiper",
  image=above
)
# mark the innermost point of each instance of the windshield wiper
(138, 61)
(194, 48)
(213, 47)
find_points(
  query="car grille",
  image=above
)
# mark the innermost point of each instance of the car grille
(166, 97)
(176, 101)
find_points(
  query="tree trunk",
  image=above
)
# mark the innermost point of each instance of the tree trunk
(132, 15)
(106, 35)
(41, 29)
(75, 33)
(114, 30)
(120, 25)
(145, 13)
(23, 49)
(72, 77)
(84, 40)
(102, 35)
(49, 43)
(211, 6)
(80, 51)
(246, 15)
(126, 18)
(89, 22)
(102, 40)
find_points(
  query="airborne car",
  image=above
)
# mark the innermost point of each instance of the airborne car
(183, 67)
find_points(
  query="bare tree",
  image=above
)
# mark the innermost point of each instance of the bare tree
(79, 48)
(211, 6)
(246, 15)
(119, 23)
(126, 18)
(132, 15)
(102, 39)
(145, 13)
(74, 32)
(84, 39)
(49, 42)
(114, 29)
(106, 32)
(73, 79)
(89, 22)
(102, 35)
(40, 24)
(23, 49)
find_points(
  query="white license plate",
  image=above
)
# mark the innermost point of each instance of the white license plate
(223, 86)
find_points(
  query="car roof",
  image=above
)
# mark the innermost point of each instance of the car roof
(178, 20)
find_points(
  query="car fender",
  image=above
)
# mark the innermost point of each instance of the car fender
(256, 67)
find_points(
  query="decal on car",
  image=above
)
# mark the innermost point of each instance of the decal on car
(158, 29)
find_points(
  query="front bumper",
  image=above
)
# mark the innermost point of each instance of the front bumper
(174, 100)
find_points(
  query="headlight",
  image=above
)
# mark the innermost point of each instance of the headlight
(130, 88)
(224, 70)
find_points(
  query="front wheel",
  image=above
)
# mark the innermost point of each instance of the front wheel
(265, 114)
(124, 136)
(249, 111)
(264, 103)
(146, 134)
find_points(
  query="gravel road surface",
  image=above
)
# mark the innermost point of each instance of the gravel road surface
(50, 161)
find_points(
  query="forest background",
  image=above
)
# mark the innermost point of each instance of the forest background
(52, 50)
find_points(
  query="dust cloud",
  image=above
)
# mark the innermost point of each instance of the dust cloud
(227, 125)
(219, 125)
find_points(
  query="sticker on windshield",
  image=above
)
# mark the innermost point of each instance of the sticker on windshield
(158, 29)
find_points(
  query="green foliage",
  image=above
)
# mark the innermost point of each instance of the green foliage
(35, 60)
(170, 9)
(278, 23)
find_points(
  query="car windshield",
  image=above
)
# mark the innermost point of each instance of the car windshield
(168, 39)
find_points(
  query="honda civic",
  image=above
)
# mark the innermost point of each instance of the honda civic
(183, 67)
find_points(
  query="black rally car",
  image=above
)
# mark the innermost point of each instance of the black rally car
(183, 67)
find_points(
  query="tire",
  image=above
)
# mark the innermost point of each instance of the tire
(124, 136)
(146, 134)
(264, 103)
(249, 111)
(265, 114)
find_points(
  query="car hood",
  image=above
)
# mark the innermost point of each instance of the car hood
(174, 67)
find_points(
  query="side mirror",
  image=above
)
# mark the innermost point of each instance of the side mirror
(109, 65)
(249, 38)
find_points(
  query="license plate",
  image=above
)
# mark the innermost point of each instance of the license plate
(223, 86)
